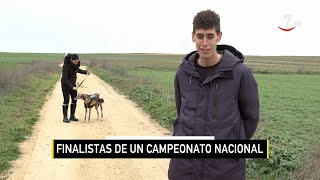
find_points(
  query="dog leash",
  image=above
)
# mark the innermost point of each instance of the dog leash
(83, 80)
(75, 98)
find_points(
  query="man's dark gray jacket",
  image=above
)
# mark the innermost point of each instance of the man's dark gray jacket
(224, 105)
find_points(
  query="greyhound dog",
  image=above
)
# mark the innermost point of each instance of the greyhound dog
(90, 101)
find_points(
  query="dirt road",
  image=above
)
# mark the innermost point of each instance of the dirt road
(121, 118)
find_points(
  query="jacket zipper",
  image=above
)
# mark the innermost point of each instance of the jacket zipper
(215, 87)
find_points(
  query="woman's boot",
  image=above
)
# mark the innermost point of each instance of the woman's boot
(65, 113)
(73, 110)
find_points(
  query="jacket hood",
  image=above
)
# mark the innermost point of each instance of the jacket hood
(232, 50)
(67, 61)
(230, 58)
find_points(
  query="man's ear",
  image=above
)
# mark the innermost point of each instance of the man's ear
(219, 37)
(193, 37)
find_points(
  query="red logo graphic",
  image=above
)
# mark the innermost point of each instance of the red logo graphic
(284, 29)
(288, 17)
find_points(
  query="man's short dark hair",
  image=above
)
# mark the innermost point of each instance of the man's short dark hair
(206, 19)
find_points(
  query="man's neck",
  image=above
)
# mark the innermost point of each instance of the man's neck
(210, 61)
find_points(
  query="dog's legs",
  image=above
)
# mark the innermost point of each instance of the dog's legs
(89, 115)
(101, 111)
(85, 115)
(96, 107)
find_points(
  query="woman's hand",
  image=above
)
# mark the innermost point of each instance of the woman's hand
(74, 88)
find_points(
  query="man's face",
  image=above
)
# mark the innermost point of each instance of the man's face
(206, 41)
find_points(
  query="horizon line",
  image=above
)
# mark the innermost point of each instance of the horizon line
(144, 53)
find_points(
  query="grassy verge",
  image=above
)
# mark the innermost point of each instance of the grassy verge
(23, 87)
(19, 111)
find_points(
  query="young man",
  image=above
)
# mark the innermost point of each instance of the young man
(68, 84)
(216, 95)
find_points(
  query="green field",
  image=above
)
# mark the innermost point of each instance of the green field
(288, 89)
(14, 60)
(259, 64)
(27, 57)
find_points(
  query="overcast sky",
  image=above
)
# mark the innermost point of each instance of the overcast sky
(146, 26)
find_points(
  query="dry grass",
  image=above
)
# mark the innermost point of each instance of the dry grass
(311, 168)
(15, 77)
